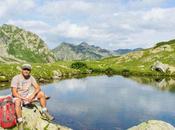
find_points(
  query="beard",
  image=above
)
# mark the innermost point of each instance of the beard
(26, 76)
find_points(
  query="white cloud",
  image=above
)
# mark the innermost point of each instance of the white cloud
(112, 25)
(13, 7)
(160, 19)
(144, 4)
(53, 8)
(72, 30)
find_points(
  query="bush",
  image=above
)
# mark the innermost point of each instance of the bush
(110, 71)
(78, 65)
(125, 72)
(96, 70)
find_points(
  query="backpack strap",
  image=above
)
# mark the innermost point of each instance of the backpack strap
(5, 102)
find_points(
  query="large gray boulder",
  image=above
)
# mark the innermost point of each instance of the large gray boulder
(34, 120)
(153, 125)
(159, 66)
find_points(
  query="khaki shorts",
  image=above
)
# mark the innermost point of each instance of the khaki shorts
(25, 102)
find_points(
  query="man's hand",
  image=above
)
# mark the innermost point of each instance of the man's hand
(30, 98)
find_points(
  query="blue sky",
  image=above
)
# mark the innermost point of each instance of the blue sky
(110, 24)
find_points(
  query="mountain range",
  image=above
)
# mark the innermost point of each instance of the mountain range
(83, 51)
(125, 51)
(18, 45)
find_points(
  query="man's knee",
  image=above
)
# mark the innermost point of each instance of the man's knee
(40, 94)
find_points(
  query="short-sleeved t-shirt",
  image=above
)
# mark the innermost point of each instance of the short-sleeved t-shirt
(23, 85)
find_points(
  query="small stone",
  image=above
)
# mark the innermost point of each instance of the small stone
(41, 80)
(56, 74)
(38, 66)
(3, 79)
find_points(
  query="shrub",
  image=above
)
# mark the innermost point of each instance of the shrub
(96, 70)
(78, 65)
(110, 71)
(125, 72)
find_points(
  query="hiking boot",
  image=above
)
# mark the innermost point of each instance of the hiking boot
(20, 126)
(48, 116)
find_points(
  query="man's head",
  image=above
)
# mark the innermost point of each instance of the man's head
(26, 69)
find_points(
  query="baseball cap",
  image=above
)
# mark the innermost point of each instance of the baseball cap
(26, 66)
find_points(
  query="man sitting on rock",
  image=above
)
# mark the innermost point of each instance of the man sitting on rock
(21, 84)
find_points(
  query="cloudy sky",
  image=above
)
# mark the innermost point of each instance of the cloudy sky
(110, 24)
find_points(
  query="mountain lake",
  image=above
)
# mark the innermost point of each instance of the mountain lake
(109, 103)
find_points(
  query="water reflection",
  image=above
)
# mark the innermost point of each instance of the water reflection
(161, 83)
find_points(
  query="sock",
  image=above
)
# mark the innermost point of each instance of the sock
(44, 109)
(19, 119)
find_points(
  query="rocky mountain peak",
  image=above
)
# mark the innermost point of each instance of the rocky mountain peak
(24, 45)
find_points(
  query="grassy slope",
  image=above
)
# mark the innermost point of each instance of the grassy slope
(135, 63)
(44, 71)
(140, 62)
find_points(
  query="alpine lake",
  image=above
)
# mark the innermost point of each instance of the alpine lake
(109, 102)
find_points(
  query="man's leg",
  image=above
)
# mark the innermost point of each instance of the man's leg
(18, 109)
(42, 98)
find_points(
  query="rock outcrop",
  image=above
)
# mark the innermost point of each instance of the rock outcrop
(34, 121)
(159, 66)
(56, 74)
(153, 125)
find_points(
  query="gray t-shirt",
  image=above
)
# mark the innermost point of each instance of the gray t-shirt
(23, 85)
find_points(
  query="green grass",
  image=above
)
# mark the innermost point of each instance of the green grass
(25, 54)
(110, 65)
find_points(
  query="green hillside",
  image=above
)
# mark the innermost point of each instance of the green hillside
(23, 45)
(141, 61)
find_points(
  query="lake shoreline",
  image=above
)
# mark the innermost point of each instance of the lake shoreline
(48, 72)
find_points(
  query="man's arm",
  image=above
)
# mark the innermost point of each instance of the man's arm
(15, 93)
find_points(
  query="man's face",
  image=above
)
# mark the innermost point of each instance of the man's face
(26, 73)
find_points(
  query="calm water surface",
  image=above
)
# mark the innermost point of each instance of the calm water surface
(109, 103)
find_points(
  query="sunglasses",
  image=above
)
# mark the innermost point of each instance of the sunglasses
(26, 69)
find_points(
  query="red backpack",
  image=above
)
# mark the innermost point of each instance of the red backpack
(7, 112)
